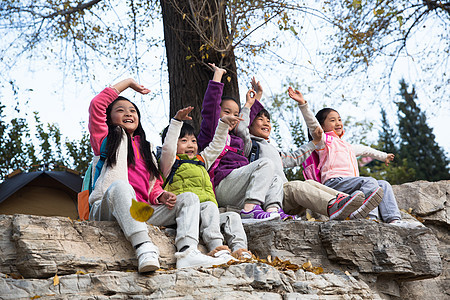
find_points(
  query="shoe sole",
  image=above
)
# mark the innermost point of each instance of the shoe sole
(372, 201)
(151, 267)
(353, 204)
(250, 221)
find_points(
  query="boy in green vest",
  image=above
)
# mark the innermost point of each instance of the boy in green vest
(187, 171)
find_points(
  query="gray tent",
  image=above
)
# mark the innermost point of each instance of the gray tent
(43, 193)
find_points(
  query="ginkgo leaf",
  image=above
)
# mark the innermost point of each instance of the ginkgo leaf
(228, 78)
(56, 280)
(140, 211)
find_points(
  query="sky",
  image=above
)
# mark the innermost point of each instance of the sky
(64, 101)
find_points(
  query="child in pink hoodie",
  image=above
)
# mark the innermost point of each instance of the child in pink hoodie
(130, 172)
(339, 168)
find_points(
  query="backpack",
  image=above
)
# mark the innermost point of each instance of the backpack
(89, 183)
(312, 166)
(254, 152)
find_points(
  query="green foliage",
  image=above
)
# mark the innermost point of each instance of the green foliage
(417, 141)
(18, 150)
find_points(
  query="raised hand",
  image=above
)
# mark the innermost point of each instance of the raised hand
(218, 72)
(296, 95)
(257, 87)
(183, 114)
(317, 135)
(138, 87)
(389, 158)
(250, 98)
(231, 121)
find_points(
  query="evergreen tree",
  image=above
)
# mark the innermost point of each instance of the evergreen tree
(386, 135)
(417, 142)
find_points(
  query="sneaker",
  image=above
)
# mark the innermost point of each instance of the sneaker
(344, 205)
(147, 255)
(225, 255)
(242, 253)
(368, 205)
(257, 214)
(192, 258)
(285, 216)
(406, 224)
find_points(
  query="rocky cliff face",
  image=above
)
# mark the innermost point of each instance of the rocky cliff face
(52, 257)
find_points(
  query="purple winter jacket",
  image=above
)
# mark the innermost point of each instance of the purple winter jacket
(211, 115)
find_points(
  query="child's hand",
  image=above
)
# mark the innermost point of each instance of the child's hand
(389, 158)
(257, 87)
(250, 98)
(317, 135)
(218, 72)
(296, 95)
(183, 114)
(169, 199)
(231, 121)
(139, 88)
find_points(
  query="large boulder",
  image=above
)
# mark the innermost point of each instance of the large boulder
(55, 257)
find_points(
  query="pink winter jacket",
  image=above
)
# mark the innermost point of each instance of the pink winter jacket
(338, 158)
(147, 188)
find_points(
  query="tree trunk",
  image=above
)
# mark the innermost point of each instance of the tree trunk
(187, 59)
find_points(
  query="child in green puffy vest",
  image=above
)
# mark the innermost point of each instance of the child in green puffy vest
(185, 170)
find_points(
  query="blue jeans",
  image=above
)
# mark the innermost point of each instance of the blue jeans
(387, 210)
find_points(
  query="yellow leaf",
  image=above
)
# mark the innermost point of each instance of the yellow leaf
(317, 270)
(56, 280)
(35, 297)
(140, 211)
(184, 16)
(228, 78)
(80, 273)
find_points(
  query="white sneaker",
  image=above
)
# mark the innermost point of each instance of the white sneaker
(147, 255)
(406, 224)
(225, 255)
(192, 258)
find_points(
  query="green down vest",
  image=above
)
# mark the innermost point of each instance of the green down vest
(190, 177)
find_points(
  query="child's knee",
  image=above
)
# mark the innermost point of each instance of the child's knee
(266, 164)
(187, 199)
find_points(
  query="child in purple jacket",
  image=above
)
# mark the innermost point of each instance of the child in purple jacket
(251, 187)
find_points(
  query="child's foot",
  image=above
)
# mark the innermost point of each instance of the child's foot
(341, 207)
(257, 214)
(242, 254)
(192, 258)
(406, 224)
(147, 255)
(285, 216)
(368, 205)
(222, 252)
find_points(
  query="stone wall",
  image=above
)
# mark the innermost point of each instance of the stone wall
(361, 259)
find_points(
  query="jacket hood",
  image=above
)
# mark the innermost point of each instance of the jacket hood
(256, 108)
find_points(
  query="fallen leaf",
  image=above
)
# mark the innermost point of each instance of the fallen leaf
(140, 211)
(56, 280)
(80, 273)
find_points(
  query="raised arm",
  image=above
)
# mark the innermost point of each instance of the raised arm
(98, 128)
(361, 150)
(213, 150)
(169, 147)
(242, 129)
(211, 108)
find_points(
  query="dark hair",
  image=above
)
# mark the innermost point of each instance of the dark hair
(115, 134)
(186, 129)
(262, 112)
(321, 116)
(225, 98)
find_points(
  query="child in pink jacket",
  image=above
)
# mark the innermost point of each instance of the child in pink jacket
(339, 168)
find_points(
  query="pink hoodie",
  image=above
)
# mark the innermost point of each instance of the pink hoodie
(147, 189)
